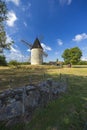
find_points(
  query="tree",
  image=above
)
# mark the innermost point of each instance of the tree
(3, 11)
(3, 18)
(2, 61)
(66, 56)
(72, 55)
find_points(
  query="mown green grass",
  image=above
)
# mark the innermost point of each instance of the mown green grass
(69, 111)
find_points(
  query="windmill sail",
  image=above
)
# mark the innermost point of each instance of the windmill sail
(45, 54)
(26, 43)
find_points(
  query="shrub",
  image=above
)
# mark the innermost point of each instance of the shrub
(14, 62)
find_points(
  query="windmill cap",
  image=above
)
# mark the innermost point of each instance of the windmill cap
(36, 44)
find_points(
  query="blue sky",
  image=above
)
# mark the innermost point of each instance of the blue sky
(60, 24)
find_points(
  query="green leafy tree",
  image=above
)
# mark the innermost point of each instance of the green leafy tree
(3, 38)
(3, 11)
(72, 55)
(3, 18)
(2, 61)
(66, 56)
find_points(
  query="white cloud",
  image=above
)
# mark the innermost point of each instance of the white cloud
(14, 50)
(26, 7)
(15, 54)
(9, 39)
(68, 2)
(84, 58)
(80, 37)
(11, 18)
(16, 2)
(46, 48)
(84, 53)
(25, 24)
(29, 50)
(84, 49)
(60, 42)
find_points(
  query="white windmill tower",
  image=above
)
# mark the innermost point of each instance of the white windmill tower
(37, 52)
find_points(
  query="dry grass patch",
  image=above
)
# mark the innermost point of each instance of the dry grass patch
(34, 74)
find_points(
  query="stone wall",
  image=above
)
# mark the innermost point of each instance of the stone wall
(19, 101)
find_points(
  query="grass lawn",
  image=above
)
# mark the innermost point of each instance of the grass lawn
(68, 112)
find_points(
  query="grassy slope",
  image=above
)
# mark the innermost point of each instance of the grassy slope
(69, 112)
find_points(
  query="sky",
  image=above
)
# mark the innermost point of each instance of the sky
(59, 24)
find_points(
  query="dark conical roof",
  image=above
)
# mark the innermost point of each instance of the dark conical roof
(36, 44)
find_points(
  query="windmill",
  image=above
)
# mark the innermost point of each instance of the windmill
(37, 52)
